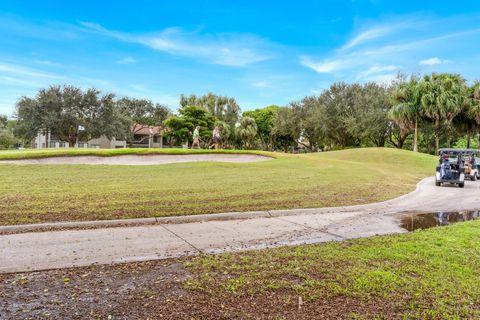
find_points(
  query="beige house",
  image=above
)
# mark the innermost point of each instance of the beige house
(147, 136)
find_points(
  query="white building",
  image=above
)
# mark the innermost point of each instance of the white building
(143, 137)
(103, 142)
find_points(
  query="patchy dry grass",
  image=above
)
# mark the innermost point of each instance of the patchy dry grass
(44, 193)
(430, 274)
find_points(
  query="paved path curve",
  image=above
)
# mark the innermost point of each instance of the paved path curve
(68, 248)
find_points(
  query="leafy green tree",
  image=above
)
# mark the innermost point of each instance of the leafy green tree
(369, 121)
(7, 139)
(38, 115)
(265, 120)
(182, 126)
(442, 98)
(286, 130)
(339, 104)
(224, 108)
(246, 132)
(6, 136)
(3, 121)
(68, 112)
(138, 114)
(308, 115)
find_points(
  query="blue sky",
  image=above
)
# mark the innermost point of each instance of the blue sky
(260, 52)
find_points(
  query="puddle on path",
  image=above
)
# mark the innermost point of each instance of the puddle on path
(424, 220)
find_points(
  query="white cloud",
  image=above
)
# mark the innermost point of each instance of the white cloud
(23, 71)
(422, 44)
(224, 49)
(127, 60)
(382, 30)
(262, 84)
(377, 71)
(16, 75)
(364, 36)
(48, 63)
(377, 53)
(325, 66)
(432, 61)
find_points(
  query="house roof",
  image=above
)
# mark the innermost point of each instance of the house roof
(145, 130)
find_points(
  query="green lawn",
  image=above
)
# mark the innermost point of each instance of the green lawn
(430, 274)
(42, 193)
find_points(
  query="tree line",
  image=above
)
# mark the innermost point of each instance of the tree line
(73, 115)
(412, 112)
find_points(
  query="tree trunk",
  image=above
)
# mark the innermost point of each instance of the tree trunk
(469, 137)
(72, 142)
(415, 136)
(401, 140)
(47, 140)
(437, 135)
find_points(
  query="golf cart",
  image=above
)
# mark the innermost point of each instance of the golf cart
(472, 164)
(451, 167)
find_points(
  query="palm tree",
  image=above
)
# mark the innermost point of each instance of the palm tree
(246, 132)
(225, 132)
(442, 98)
(474, 105)
(466, 124)
(408, 110)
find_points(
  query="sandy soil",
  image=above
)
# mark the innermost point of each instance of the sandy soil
(139, 160)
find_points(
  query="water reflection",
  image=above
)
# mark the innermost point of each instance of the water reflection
(424, 220)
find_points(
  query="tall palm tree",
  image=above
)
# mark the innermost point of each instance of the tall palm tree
(474, 105)
(407, 109)
(442, 98)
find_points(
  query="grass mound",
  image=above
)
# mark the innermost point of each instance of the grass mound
(46, 193)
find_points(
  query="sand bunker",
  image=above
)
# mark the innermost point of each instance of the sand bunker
(141, 160)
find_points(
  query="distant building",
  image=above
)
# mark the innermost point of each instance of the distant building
(143, 137)
(41, 140)
(148, 136)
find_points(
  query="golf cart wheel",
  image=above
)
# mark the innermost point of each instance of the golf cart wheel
(437, 183)
(461, 185)
(474, 178)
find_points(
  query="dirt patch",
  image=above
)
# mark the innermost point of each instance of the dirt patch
(157, 290)
(90, 293)
(138, 160)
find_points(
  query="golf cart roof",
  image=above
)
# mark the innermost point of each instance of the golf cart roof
(458, 150)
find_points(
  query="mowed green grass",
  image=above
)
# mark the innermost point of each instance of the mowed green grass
(45, 193)
(429, 274)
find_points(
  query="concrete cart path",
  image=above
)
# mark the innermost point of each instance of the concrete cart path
(68, 248)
